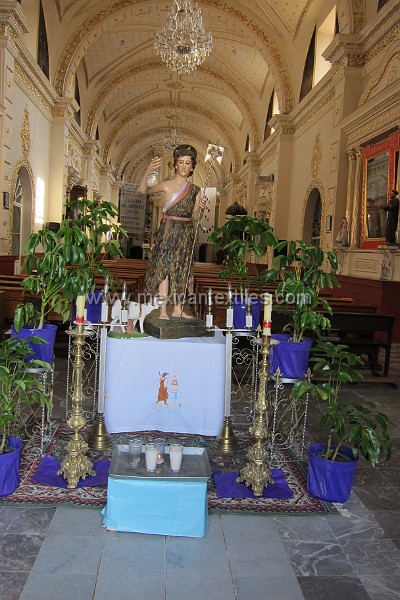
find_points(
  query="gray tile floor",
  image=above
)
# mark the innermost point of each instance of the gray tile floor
(66, 553)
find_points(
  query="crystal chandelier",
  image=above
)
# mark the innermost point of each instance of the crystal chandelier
(183, 42)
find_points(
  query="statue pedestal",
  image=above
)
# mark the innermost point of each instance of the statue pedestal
(174, 328)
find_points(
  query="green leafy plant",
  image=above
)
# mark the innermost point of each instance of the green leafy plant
(62, 265)
(355, 424)
(238, 237)
(18, 385)
(26, 315)
(300, 275)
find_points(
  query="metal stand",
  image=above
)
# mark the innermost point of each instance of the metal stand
(226, 441)
(76, 465)
(100, 439)
(256, 473)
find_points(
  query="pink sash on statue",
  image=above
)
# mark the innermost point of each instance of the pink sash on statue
(177, 197)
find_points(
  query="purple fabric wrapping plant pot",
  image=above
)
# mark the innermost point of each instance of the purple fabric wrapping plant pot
(327, 479)
(9, 467)
(290, 357)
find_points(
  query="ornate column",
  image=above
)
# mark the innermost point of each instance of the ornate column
(58, 164)
(351, 154)
(357, 207)
(253, 163)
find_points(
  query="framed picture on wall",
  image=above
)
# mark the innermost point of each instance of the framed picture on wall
(6, 200)
(379, 178)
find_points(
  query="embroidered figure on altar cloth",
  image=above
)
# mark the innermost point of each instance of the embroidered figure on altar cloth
(162, 389)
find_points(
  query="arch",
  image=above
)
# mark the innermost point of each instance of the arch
(146, 108)
(23, 175)
(89, 29)
(314, 202)
(112, 88)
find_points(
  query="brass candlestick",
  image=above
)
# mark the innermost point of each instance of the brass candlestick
(76, 465)
(256, 472)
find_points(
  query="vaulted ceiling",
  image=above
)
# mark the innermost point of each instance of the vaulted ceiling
(128, 96)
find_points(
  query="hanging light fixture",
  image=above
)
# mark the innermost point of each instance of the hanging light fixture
(173, 140)
(183, 42)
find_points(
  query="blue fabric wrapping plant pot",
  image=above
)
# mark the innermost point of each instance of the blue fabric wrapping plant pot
(43, 352)
(330, 480)
(239, 312)
(9, 467)
(290, 357)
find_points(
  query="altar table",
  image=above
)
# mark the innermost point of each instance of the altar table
(165, 385)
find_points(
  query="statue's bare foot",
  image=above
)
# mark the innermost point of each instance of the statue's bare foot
(163, 315)
(129, 326)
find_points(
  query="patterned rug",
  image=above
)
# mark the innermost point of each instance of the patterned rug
(301, 503)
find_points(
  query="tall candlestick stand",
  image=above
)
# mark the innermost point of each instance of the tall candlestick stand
(226, 441)
(76, 465)
(256, 472)
(100, 439)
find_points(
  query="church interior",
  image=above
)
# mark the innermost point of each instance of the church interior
(301, 98)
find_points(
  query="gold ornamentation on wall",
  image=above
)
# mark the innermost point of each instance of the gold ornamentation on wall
(25, 133)
(384, 70)
(33, 88)
(316, 156)
(316, 109)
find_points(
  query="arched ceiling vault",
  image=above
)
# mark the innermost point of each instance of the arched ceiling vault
(128, 96)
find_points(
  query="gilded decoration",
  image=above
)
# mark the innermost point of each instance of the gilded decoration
(25, 133)
(373, 125)
(391, 73)
(316, 156)
(33, 88)
(316, 109)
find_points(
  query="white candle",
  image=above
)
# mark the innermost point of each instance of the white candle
(80, 306)
(175, 457)
(150, 454)
(267, 314)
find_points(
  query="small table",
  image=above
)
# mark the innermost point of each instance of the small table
(162, 502)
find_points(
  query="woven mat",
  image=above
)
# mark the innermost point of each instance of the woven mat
(34, 494)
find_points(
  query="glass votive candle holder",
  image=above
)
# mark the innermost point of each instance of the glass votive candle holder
(135, 450)
(150, 454)
(175, 457)
(160, 443)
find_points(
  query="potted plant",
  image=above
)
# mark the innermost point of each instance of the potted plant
(19, 387)
(62, 265)
(237, 239)
(352, 428)
(299, 274)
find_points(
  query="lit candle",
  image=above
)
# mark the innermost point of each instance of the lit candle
(229, 310)
(267, 314)
(209, 315)
(80, 308)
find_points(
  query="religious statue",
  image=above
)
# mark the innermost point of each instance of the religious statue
(342, 238)
(392, 208)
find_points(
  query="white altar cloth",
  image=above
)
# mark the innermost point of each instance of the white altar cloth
(165, 385)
